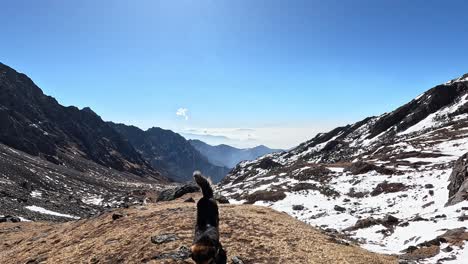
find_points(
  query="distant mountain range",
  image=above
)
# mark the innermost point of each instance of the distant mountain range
(170, 152)
(224, 155)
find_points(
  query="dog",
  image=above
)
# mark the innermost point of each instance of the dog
(206, 248)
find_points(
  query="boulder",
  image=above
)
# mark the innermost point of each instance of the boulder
(298, 207)
(116, 216)
(315, 172)
(458, 181)
(390, 220)
(221, 199)
(361, 167)
(339, 208)
(388, 187)
(363, 223)
(268, 163)
(9, 218)
(174, 193)
(267, 196)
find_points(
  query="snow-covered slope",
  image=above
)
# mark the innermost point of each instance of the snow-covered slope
(381, 181)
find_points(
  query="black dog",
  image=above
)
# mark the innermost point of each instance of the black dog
(206, 248)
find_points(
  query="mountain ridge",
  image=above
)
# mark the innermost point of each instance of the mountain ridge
(37, 124)
(226, 155)
(379, 180)
(170, 151)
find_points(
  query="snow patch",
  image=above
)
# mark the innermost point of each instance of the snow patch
(49, 212)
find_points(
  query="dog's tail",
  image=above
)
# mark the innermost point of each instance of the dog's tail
(204, 184)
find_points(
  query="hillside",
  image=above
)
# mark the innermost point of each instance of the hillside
(382, 181)
(35, 189)
(254, 234)
(170, 152)
(224, 155)
(38, 125)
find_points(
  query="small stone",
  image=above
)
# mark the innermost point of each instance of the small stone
(182, 254)
(428, 186)
(447, 249)
(298, 207)
(431, 192)
(428, 204)
(391, 220)
(463, 218)
(9, 218)
(418, 218)
(339, 208)
(116, 216)
(189, 200)
(237, 260)
(164, 238)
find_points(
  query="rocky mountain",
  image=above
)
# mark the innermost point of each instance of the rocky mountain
(171, 152)
(60, 163)
(224, 155)
(34, 189)
(163, 233)
(391, 182)
(38, 125)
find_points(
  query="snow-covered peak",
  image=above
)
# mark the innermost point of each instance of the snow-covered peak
(463, 78)
(354, 179)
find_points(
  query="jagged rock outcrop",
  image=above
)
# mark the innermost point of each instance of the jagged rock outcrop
(458, 181)
(174, 193)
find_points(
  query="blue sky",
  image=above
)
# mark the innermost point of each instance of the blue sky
(242, 72)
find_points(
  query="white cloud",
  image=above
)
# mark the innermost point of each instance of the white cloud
(183, 112)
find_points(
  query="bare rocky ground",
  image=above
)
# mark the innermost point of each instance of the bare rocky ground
(162, 233)
(35, 189)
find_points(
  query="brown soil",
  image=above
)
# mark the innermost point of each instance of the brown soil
(255, 234)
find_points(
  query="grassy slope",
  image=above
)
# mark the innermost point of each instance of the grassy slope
(256, 234)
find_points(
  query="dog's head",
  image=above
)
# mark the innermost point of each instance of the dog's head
(204, 253)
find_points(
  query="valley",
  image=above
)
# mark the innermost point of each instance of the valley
(394, 184)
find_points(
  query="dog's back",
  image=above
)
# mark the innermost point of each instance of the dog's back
(206, 247)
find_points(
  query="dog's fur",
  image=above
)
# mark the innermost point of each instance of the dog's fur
(206, 248)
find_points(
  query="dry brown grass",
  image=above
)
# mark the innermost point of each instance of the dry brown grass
(256, 234)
